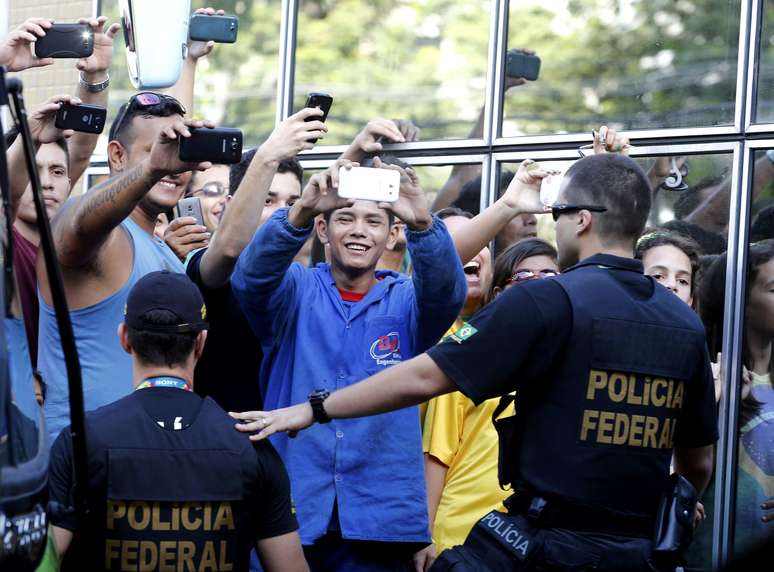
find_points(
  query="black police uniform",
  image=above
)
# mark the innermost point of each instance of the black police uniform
(172, 486)
(612, 372)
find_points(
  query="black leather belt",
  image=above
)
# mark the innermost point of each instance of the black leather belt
(551, 512)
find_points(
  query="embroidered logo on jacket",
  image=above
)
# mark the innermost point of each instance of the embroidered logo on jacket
(385, 350)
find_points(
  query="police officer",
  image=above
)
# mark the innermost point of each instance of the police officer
(612, 374)
(172, 485)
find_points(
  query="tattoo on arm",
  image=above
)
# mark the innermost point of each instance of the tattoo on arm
(107, 191)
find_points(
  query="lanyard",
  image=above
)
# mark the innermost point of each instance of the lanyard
(163, 381)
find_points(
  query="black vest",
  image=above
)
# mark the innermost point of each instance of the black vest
(164, 499)
(600, 429)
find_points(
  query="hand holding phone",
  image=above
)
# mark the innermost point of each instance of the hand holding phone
(324, 102)
(66, 41)
(519, 64)
(189, 207)
(84, 118)
(215, 28)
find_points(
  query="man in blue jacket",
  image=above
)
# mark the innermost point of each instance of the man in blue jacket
(358, 484)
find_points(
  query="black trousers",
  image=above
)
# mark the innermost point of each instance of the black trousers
(556, 550)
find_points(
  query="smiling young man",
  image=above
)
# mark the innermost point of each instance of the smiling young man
(358, 485)
(105, 244)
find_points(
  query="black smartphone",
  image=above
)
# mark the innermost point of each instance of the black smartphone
(221, 29)
(324, 102)
(221, 145)
(190, 206)
(519, 64)
(66, 41)
(84, 117)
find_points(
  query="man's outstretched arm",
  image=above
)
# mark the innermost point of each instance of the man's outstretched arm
(402, 385)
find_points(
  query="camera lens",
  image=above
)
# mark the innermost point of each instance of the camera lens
(234, 145)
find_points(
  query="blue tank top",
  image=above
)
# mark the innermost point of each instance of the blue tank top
(106, 368)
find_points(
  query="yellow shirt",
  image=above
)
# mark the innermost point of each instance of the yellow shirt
(462, 437)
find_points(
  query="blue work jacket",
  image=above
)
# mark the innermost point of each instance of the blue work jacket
(372, 468)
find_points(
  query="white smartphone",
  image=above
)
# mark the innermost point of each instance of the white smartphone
(549, 188)
(369, 184)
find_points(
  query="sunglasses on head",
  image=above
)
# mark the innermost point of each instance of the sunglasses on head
(144, 100)
(558, 210)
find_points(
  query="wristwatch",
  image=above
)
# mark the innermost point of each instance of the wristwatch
(316, 399)
(94, 87)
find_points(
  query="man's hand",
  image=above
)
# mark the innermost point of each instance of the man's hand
(411, 206)
(198, 50)
(768, 511)
(264, 423)
(43, 117)
(95, 67)
(321, 192)
(368, 140)
(608, 140)
(292, 136)
(183, 236)
(523, 193)
(163, 159)
(16, 50)
(424, 558)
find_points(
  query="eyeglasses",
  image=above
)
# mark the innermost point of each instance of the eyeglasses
(558, 210)
(213, 190)
(526, 275)
(141, 101)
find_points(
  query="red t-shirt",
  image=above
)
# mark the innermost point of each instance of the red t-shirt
(348, 296)
(25, 255)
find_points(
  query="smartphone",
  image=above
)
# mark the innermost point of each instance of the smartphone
(221, 29)
(221, 145)
(190, 206)
(369, 184)
(66, 41)
(519, 64)
(549, 189)
(85, 118)
(324, 102)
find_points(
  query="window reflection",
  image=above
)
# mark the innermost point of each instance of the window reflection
(424, 61)
(641, 64)
(764, 105)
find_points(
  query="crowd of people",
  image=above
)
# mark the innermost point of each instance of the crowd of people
(286, 293)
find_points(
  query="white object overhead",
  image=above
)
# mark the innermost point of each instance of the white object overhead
(156, 36)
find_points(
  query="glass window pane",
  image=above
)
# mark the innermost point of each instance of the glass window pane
(423, 61)
(764, 104)
(236, 85)
(755, 469)
(639, 64)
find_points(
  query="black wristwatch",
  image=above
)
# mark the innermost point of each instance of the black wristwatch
(316, 399)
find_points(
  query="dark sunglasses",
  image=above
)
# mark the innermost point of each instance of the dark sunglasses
(526, 275)
(214, 190)
(558, 210)
(144, 100)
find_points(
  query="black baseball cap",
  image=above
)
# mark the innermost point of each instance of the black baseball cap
(170, 291)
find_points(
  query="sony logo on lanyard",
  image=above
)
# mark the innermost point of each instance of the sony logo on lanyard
(173, 382)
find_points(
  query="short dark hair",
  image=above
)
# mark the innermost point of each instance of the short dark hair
(238, 170)
(123, 132)
(618, 183)
(13, 133)
(161, 349)
(762, 226)
(469, 198)
(449, 212)
(709, 242)
(512, 256)
(664, 237)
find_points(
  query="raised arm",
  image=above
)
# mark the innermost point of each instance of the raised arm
(93, 72)
(183, 90)
(370, 139)
(243, 214)
(43, 130)
(84, 225)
